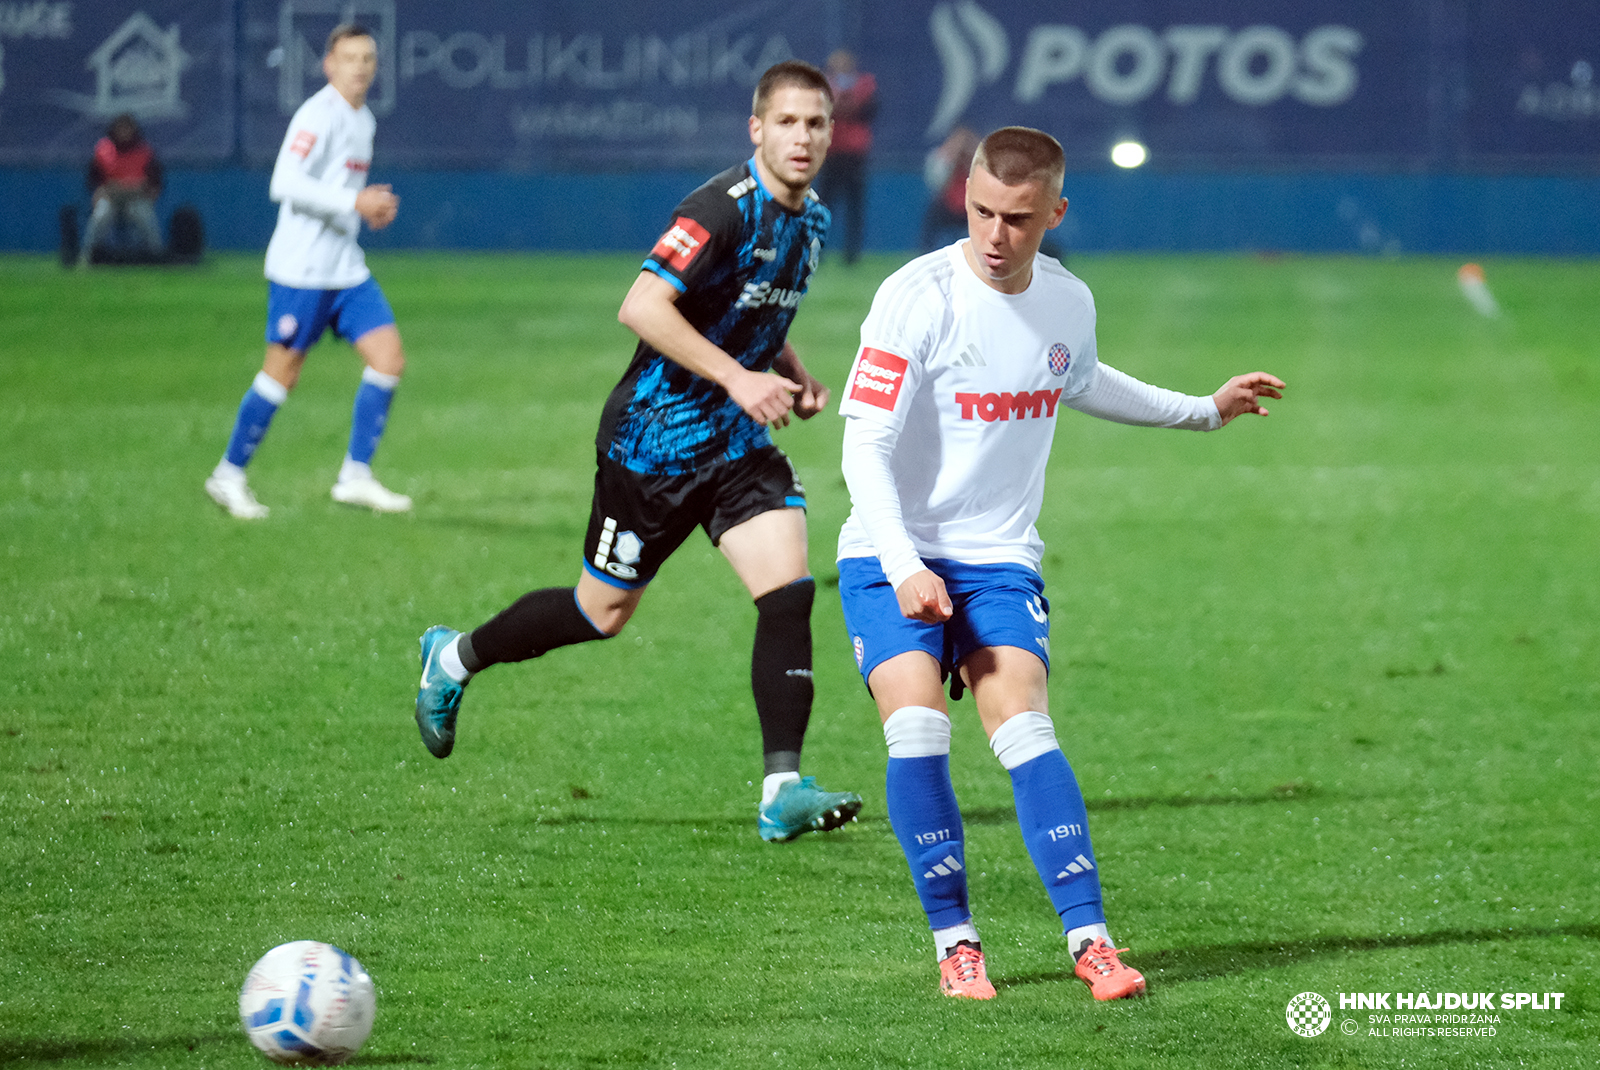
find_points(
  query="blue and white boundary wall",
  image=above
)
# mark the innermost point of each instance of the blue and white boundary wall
(1423, 125)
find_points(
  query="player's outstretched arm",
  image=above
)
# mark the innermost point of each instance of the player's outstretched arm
(650, 311)
(1242, 394)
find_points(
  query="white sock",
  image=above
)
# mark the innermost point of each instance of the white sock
(380, 379)
(917, 732)
(450, 662)
(269, 388)
(945, 939)
(1083, 934)
(1023, 738)
(226, 469)
(772, 783)
(354, 470)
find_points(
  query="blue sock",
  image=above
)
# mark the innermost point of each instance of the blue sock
(927, 821)
(371, 413)
(256, 411)
(1055, 826)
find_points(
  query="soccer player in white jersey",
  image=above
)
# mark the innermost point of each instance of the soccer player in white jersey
(968, 357)
(318, 279)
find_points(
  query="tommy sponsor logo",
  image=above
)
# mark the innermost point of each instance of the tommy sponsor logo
(803, 673)
(1005, 406)
(681, 243)
(945, 867)
(302, 144)
(618, 552)
(1075, 867)
(878, 378)
(757, 294)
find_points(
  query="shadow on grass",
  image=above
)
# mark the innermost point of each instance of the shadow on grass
(977, 815)
(112, 1050)
(104, 1049)
(1220, 960)
(1002, 815)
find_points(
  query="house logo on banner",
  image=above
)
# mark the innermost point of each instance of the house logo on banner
(138, 69)
(1129, 63)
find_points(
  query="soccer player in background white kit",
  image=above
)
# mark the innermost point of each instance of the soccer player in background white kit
(967, 357)
(318, 278)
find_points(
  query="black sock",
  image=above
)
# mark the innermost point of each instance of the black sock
(780, 672)
(536, 623)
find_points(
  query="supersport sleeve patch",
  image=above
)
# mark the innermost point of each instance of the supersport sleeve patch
(877, 378)
(302, 144)
(679, 247)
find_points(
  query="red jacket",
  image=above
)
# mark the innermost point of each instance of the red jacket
(855, 103)
(134, 166)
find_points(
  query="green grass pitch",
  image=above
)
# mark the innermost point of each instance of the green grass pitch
(1330, 681)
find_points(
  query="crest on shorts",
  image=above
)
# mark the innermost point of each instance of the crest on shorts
(1060, 359)
(287, 325)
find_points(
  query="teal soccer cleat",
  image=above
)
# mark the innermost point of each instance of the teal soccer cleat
(439, 697)
(803, 807)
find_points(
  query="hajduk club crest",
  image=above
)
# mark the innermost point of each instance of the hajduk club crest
(1060, 359)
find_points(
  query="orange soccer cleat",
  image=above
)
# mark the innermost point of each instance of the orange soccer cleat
(1107, 978)
(961, 973)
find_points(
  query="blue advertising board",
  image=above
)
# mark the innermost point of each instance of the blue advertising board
(66, 69)
(555, 85)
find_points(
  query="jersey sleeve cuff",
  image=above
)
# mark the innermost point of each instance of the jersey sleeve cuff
(656, 269)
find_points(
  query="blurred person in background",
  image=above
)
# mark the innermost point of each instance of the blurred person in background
(125, 180)
(945, 174)
(318, 278)
(843, 183)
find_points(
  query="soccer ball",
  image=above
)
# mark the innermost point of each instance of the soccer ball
(307, 1002)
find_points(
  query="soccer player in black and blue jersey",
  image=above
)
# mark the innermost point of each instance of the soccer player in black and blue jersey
(684, 442)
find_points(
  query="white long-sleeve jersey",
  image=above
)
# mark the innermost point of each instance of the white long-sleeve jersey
(321, 166)
(951, 410)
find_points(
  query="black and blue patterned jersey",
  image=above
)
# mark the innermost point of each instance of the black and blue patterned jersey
(742, 261)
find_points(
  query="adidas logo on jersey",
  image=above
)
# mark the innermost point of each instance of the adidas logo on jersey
(1006, 406)
(1075, 867)
(971, 358)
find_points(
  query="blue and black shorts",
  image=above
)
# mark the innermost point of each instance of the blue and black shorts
(638, 518)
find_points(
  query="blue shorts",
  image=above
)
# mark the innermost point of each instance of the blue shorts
(995, 605)
(296, 318)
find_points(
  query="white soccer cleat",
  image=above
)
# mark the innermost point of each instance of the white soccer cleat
(233, 494)
(367, 491)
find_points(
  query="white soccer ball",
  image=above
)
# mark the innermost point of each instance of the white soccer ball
(307, 1002)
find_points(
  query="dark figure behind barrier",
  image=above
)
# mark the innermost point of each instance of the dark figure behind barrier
(125, 180)
(843, 182)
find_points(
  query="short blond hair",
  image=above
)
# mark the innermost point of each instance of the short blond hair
(1018, 154)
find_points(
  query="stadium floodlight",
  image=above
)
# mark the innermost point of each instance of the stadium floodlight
(1129, 154)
